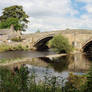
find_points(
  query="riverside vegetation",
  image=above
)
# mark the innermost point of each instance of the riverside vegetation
(19, 80)
(60, 44)
(6, 47)
(17, 39)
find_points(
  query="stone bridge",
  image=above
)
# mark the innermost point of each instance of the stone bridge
(80, 39)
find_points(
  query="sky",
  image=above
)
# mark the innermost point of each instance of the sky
(49, 15)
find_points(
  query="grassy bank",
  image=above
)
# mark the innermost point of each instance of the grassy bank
(8, 61)
(20, 61)
(6, 47)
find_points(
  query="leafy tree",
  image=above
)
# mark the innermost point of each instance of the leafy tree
(60, 44)
(9, 22)
(16, 12)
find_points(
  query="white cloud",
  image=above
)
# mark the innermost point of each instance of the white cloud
(89, 8)
(86, 1)
(49, 15)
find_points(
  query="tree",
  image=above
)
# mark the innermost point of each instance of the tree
(60, 44)
(16, 12)
(9, 22)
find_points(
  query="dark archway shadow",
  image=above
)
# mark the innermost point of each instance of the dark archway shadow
(59, 64)
(87, 49)
(42, 43)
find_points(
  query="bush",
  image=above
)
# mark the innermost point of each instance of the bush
(20, 47)
(75, 83)
(88, 85)
(60, 44)
(19, 81)
(15, 81)
(6, 47)
(17, 39)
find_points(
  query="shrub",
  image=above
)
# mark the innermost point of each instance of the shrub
(75, 83)
(15, 81)
(60, 44)
(88, 85)
(19, 81)
(6, 47)
(17, 39)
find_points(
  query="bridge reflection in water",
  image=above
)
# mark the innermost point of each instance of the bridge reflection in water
(56, 66)
(72, 63)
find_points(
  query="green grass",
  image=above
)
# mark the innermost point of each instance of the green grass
(5, 47)
(18, 80)
(5, 61)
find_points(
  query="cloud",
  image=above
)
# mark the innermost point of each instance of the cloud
(89, 8)
(86, 1)
(47, 15)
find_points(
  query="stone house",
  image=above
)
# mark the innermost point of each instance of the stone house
(7, 34)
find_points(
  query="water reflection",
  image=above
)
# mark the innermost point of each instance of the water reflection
(79, 63)
(57, 66)
(74, 63)
(24, 54)
(59, 63)
(89, 56)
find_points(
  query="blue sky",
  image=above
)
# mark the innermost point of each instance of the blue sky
(48, 15)
(79, 6)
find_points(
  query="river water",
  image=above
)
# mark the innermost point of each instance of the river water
(53, 66)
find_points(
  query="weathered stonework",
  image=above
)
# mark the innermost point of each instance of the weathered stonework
(78, 38)
(8, 34)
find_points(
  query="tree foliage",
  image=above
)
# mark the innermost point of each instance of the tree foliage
(9, 22)
(16, 12)
(60, 44)
(88, 87)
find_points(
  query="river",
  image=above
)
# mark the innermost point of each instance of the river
(53, 66)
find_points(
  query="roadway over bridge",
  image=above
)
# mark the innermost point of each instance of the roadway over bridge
(81, 39)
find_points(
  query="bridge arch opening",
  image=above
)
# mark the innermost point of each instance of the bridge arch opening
(87, 48)
(42, 43)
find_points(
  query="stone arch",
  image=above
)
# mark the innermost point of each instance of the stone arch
(87, 45)
(41, 43)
